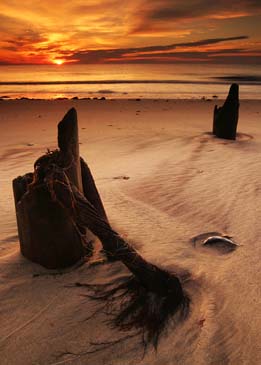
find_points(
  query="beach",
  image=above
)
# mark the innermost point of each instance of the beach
(164, 179)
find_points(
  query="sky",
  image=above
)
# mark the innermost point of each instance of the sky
(130, 31)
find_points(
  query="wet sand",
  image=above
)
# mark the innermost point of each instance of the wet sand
(164, 180)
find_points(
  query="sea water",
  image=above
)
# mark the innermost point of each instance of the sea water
(148, 81)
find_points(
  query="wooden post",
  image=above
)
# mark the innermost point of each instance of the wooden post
(68, 142)
(225, 118)
(20, 186)
(48, 234)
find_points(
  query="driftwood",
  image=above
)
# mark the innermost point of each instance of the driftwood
(225, 118)
(53, 210)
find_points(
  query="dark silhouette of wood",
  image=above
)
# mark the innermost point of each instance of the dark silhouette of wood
(68, 143)
(47, 233)
(20, 187)
(226, 117)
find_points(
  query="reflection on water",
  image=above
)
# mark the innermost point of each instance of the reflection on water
(129, 81)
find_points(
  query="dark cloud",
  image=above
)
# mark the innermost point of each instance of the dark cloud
(170, 9)
(102, 56)
(158, 13)
(180, 10)
(193, 54)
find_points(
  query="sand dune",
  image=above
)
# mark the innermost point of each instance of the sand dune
(182, 183)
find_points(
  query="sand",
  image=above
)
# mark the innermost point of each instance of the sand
(179, 182)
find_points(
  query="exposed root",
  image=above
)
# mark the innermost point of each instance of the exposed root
(132, 307)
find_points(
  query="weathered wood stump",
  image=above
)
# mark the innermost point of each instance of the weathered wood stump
(226, 117)
(48, 235)
(68, 142)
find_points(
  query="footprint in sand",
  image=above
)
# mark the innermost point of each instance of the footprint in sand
(219, 242)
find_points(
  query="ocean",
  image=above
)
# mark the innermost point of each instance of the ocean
(147, 81)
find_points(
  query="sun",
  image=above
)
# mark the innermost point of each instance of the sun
(58, 62)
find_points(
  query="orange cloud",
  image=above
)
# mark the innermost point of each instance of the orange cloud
(35, 31)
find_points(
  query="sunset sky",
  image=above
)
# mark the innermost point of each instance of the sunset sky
(152, 31)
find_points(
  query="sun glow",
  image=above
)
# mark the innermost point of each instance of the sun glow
(58, 62)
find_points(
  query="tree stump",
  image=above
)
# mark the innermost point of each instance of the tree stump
(226, 117)
(48, 235)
